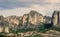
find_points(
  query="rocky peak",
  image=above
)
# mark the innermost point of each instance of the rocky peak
(32, 12)
(1, 17)
(56, 12)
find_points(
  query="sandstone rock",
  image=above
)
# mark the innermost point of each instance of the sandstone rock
(56, 18)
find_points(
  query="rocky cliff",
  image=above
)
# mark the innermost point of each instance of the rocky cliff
(31, 20)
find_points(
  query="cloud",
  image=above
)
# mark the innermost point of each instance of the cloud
(15, 11)
(8, 4)
(20, 11)
(52, 1)
(20, 7)
(24, 10)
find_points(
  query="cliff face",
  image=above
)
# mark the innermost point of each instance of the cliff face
(13, 20)
(10, 22)
(25, 20)
(4, 25)
(56, 18)
(47, 19)
(30, 20)
(35, 18)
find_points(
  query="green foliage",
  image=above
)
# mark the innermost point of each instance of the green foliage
(48, 25)
(55, 28)
(2, 36)
(41, 28)
(44, 27)
(25, 30)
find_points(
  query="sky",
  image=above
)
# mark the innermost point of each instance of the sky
(20, 7)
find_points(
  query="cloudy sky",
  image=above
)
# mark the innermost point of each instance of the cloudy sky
(20, 7)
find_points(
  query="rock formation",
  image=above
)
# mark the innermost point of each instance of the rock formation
(56, 18)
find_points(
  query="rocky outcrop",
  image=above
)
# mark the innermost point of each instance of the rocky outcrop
(32, 19)
(25, 20)
(47, 19)
(13, 20)
(20, 18)
(56, 18)
(4, 25)
(35, 18)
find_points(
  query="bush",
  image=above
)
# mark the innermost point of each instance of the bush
(55, 28)
(25, 30)
(47, 26)
(44, 27)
